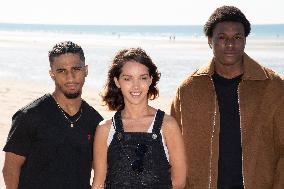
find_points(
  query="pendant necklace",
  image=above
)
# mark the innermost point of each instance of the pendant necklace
(66, 117)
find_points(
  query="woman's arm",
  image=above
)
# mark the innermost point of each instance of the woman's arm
(175, 145)
(100, 154)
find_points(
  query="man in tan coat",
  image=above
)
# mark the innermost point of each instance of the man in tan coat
(231, 112)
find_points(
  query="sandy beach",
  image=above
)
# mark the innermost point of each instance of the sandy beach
(23, 84)
(24, 69)
(15, 94)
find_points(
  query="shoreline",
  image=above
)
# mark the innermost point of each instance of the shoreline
(116, 39)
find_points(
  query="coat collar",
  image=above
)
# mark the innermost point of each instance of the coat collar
(252, 69)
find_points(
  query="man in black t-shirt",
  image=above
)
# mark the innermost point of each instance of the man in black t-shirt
(51, 140)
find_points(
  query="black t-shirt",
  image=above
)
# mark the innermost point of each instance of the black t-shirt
(230, 149)
(57, 156)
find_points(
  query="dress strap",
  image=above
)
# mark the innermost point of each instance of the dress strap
(158, 121)
(117, 122)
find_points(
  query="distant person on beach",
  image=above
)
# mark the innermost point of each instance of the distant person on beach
(51, 140)
(140, 147)
(231, 112)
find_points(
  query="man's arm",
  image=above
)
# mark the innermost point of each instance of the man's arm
(279, 123)
(11, 169)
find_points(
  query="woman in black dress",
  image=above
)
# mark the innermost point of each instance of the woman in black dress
(140, 147)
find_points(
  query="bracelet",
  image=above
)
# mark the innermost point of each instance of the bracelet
(99, 186)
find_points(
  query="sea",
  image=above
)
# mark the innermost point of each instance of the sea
(176, 50)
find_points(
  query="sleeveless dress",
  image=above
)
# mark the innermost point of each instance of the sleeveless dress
(137, 159)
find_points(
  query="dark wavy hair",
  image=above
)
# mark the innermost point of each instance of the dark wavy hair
(63, 48)
(112, 95)
(226, 13)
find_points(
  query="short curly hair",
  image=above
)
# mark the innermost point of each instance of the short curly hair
(63, 48)
(226, 13)
(112, 95)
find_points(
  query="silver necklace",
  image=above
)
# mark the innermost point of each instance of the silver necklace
(66, 117)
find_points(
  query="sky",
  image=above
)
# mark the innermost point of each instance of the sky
(133, 12)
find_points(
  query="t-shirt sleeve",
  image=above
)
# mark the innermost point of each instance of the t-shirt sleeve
(97, 118)
(19, 138)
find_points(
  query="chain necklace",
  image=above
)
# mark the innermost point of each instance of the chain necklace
(66, 117)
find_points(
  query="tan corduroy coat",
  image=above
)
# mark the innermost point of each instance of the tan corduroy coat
(261, 102)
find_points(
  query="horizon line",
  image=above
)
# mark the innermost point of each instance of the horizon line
(58, 24)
